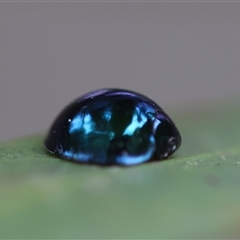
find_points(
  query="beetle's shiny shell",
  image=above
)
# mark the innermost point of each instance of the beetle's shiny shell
(113, 127)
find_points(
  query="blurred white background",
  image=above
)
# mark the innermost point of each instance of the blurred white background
(177, 53)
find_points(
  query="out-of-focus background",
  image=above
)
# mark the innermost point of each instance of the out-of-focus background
(179, 54)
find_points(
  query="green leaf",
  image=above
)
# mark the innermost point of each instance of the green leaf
(194, 194)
